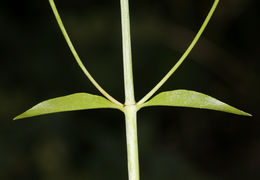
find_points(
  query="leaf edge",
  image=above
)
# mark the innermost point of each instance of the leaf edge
(239, 112)
(114, 106)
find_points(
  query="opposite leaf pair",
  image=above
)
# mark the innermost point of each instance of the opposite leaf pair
(82, 101)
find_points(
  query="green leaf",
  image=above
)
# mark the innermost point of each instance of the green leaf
(77, 101)
(186, 98)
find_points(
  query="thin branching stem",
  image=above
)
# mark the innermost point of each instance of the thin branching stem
(76, 56)
(183, 57)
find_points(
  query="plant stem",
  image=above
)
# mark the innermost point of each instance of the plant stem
(183, 57)
(132, 142)
(130, 109)
(127, 54)
(76, 56)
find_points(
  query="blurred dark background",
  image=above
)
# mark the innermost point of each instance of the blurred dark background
(175, 143)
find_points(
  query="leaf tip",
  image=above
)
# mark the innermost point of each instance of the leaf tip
(243, 113)
(247, 114)
(17, 117)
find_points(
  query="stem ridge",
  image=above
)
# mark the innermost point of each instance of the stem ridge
(127, 53)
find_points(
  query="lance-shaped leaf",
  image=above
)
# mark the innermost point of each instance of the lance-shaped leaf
(186, 98)
(77, 101)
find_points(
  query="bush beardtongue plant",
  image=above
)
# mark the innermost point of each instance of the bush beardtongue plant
(177, 98)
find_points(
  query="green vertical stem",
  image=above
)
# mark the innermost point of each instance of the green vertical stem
(132, 142)
(130, 109)
(127, 54)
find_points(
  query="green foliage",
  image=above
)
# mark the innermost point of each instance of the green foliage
(73, 102)
(81, 101)
(193, 99)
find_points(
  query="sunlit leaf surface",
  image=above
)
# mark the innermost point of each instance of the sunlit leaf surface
(78, 101)
(186, 98)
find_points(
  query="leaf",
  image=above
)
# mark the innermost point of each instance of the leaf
(77, 101)
(186, 98)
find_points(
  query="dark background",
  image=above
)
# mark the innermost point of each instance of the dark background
(175, 143)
